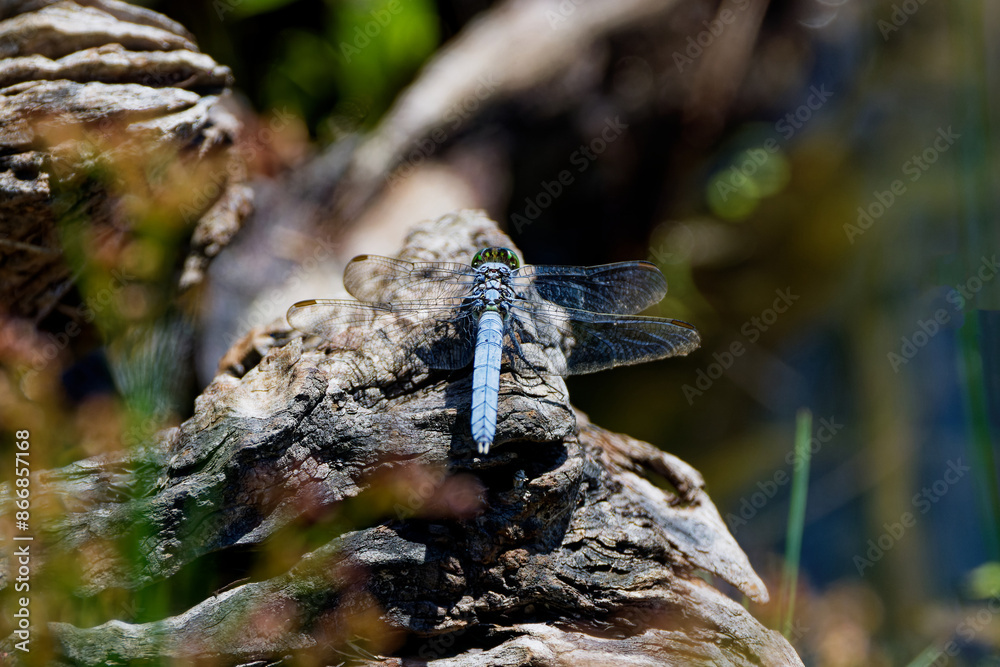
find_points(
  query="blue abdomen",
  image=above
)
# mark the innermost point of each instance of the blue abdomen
(486, 379)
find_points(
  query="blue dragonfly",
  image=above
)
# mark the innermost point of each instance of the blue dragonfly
(536, 320)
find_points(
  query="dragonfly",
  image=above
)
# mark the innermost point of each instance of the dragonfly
(494, 312)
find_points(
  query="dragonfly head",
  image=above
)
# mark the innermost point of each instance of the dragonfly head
(504, 256)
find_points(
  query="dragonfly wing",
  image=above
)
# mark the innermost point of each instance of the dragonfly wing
(447, 344)
(625, 287)
(441, 334)
(570, 342)
(382, 279)
(332, 318)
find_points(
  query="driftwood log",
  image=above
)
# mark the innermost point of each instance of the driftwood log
(95, 97)
(335, 494)
(553, 550)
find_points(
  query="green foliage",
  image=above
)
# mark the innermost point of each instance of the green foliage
(983, 582)
(380, 44)
(302, 77)
(754, 167)
(354, 66)
(796, 516)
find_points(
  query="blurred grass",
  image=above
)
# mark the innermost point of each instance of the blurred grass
(796, 517)
(978, 214)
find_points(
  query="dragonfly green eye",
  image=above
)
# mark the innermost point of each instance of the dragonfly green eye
(496, 256)
(506, 256)
(512, 261)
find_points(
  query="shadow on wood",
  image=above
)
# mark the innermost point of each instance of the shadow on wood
(394, 536)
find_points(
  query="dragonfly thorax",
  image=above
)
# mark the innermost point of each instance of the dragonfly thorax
(493, 290)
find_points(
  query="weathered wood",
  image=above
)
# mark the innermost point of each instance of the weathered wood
(552, 550)
(95, 91)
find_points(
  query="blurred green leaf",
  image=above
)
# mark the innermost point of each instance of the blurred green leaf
(380, 45)
(753, 174)
(346, 73)
(984, 581)
(302, 77)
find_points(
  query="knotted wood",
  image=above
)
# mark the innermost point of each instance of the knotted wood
(100, 99)
(332, 498)
(554, 549)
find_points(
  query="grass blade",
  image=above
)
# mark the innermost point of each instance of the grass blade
(796, 515)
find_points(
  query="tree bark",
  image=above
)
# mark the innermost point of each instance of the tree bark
(554, 549)
(342, 480)
(93, 93)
